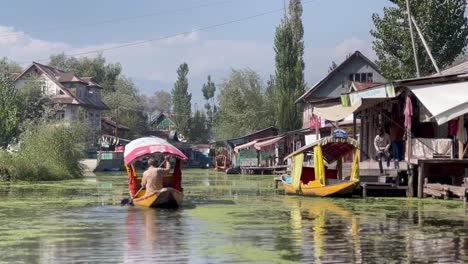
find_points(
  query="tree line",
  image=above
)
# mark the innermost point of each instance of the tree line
(242, 102)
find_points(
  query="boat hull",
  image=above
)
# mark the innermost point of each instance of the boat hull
(166, 198)
(344, 188)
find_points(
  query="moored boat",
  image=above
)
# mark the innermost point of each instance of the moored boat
(171, 196)
(320, 180)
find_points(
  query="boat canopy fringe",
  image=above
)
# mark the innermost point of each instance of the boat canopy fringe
(329, 140)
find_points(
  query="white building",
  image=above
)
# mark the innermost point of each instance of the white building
(80, 97)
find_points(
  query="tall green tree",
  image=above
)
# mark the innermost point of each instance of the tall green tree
(241, 105)
(128, 107)
(443, 24)
(8, 67)
(199, 130)
(160, 102)
(209, 89)
(289, 79)
(181, 100)
(103, 73)
(8, 111)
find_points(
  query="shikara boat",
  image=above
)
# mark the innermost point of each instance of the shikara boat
(171, 196)
(221, 163)
(319, 180)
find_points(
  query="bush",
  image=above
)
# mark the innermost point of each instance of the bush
(46, 152)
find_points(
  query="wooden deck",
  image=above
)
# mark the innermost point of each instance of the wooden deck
(264, 170)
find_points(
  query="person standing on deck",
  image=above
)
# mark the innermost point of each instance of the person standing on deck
(153, 176)
(382, 146)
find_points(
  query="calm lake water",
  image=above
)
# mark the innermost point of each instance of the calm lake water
(225, 219)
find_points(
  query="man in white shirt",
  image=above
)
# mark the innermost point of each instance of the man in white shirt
(382, 146)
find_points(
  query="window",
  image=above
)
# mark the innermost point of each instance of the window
(361, 77)
(60, 115)
(43, 88)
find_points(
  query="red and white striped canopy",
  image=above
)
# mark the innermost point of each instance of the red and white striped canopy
(148, 145)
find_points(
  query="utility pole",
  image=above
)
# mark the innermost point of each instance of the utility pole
(418, 74)
(428, 50)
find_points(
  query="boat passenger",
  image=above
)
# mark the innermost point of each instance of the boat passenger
(153, 176)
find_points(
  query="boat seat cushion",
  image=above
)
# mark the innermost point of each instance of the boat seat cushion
(308, 174)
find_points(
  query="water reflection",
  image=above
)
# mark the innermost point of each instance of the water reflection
(324, 231)
(155, 235)
(225, 219)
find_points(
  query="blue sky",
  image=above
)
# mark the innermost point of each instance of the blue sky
(32, 30)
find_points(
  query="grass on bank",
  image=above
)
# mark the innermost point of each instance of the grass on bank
(47, 151)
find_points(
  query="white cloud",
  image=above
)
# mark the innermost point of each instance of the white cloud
(21, 47)
(156, 62)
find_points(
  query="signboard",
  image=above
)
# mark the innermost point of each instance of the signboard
(383, 91)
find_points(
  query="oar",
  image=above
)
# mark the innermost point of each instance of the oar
(127, 201)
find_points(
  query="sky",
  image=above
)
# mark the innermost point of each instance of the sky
(33, 30)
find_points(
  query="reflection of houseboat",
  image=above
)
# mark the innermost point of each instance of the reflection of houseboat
(321, 180)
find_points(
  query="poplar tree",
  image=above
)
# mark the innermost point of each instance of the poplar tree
(209, 89)
(289, 79)
(8, 111)
(181, 100)
(443, 24)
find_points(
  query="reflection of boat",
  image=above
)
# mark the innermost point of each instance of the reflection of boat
(171, 195)
(320, 180)
(322, 211)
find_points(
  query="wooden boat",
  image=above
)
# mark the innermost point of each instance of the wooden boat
(171, 196)
(319, 180)
(221, 163)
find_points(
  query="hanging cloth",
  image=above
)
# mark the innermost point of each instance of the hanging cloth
(408, 112)
(131, 179)
(319, 166)
(453, 127)
(177, 176)
(296, 170)
(355, 167)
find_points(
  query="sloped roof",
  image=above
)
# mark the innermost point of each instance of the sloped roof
(111, 122)
(359, 86)
(356, 54)
(458, 68)
(60, 77)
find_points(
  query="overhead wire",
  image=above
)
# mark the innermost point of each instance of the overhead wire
(205, 28)
(114, 20)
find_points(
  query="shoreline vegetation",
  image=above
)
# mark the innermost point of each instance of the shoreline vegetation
(34, 144)
(45, 152)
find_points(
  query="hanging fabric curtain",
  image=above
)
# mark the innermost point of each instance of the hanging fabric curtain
(319, 166)
(408, 112)
(296, 170)
(355, 167)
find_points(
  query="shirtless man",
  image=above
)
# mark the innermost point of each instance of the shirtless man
(153, 176)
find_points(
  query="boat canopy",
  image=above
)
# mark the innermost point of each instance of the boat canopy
(333, 147)
(244, 146)
(268, 142)
(148, 145)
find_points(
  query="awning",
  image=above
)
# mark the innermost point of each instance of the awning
(444, 101)
(336, 112)
(244, 146)
(339, 112)
(267, 143)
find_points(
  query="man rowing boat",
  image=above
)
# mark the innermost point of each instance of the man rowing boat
(153, 177)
